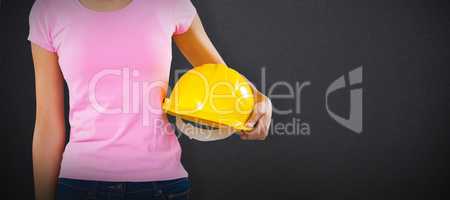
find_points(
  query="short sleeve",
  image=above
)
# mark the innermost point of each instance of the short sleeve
(39, 26)
(184, 13)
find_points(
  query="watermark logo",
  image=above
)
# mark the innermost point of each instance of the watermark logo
(137, 95)
(355, 121)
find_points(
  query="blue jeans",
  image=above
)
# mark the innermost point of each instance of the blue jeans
(71, 189)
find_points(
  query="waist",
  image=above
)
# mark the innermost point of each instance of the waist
(132, 155)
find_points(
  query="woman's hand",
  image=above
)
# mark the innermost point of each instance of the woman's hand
(260, 119)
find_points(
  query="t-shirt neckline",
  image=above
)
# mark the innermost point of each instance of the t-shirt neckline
(126, 7)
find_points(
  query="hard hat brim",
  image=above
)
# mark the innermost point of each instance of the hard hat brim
(196, 117)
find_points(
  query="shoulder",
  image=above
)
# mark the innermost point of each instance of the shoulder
(52, 9)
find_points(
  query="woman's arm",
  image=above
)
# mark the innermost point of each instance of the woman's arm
(49, 131)
(198, 49)
(196, 45)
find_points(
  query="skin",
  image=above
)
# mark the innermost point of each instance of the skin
(49, 132)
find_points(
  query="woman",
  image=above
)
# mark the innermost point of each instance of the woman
(107, 51)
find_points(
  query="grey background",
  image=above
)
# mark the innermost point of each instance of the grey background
(402, 152)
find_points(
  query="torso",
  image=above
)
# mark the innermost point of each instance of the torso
(116, 64)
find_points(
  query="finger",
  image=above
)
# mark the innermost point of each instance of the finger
(244, 137)
(241, 132)
(258, 133)
(254, 117)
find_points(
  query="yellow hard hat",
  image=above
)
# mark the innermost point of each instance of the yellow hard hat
(213, 95)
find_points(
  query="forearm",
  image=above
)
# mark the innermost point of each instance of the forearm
(47, 155)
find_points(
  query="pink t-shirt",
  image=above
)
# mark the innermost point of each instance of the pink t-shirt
(116, 64)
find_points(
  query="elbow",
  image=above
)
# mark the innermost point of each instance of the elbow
(48, 129)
